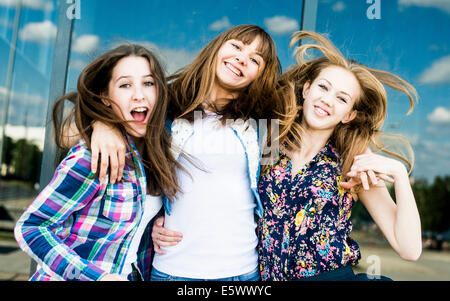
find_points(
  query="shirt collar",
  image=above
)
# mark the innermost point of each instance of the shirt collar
(328, 151)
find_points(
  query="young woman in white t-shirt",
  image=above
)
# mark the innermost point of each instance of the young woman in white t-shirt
(214, 104)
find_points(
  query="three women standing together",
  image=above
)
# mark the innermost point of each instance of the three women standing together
(220, 205)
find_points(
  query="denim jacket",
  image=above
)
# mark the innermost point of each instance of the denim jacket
(247, 133)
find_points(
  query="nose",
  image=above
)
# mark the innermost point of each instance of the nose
(241, 59)
(327, 99)
(137, 93)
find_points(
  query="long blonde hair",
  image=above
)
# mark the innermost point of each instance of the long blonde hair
(364, 131)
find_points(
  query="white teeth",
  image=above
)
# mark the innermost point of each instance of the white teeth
(236, 71)
(140, 110)
(320, 111)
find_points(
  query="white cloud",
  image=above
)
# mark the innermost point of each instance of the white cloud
(40, 32)
(281, 25)
(23, 98)
(35, 134)
(221, 24)
(86, 43)
(338, 7)
(437, 73)
(78, 64)
(440, 4)
(432, 158)
(440, 115)
(33, 4)
(174, 59)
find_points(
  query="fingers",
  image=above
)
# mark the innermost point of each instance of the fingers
(104, 163)
(117, 164)
(94, 160)
(114, 166)
(158, 249)
(386, 178)
(349, 184)
(372, 177)
(162, 237)
(121, 155)
(364, 180)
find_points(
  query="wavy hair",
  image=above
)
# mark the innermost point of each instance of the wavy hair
(92, 86)
(352, 138)
(190, 86)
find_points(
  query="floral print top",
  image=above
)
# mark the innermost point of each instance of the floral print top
(306, 223)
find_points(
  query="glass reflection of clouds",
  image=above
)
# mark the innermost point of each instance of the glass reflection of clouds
(410, 38)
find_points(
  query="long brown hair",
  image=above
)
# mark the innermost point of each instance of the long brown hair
(189, 87)
(354, 137)
(92, 86)
(267, 97)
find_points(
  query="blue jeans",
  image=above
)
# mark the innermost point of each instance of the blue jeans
(344, 274)
(160, 276)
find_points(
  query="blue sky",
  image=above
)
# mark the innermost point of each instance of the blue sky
(411, 39)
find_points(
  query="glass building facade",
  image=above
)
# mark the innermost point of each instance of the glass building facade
(44, 45)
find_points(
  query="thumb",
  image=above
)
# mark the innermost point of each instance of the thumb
(349, 184)
(160, 221)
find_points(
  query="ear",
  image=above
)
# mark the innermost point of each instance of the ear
(305, 89)
(350, 116)
(105, 101)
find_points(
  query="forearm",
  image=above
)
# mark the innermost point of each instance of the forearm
(46, 248)
(407, 226)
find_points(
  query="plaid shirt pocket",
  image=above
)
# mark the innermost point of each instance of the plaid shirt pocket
(120, 201)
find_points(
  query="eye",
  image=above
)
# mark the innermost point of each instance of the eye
(149, 83)
(236, 46)
(255, 61)
(323, 87)
(342, 99)
(125, 85)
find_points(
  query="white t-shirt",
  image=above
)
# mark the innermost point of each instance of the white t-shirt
(152, 205)
(215, 212)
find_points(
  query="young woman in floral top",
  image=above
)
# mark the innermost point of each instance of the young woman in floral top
(305, 228)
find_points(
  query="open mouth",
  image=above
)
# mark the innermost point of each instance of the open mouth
(139, 114)
(320, 111)
(233, 69)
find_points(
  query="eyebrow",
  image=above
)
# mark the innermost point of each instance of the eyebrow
(129, 76)
(255, 52)
(332, 85)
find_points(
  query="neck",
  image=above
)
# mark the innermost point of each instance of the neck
(220, 97)
(313, 141)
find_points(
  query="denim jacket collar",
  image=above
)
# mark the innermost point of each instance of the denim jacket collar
(181, 130)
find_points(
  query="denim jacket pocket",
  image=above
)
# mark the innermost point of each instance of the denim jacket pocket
(120, 201)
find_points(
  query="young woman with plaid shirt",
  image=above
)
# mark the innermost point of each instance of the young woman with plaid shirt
(82, 228)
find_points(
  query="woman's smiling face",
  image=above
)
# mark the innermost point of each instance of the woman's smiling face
(330, 98)
(238, 64)
(133, 91)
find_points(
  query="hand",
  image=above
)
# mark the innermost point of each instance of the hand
(113, 277)
(162, 237)
(110, 144)
(377, 167)
(362, 178)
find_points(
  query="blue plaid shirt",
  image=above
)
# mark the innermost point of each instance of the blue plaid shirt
(80, 229)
